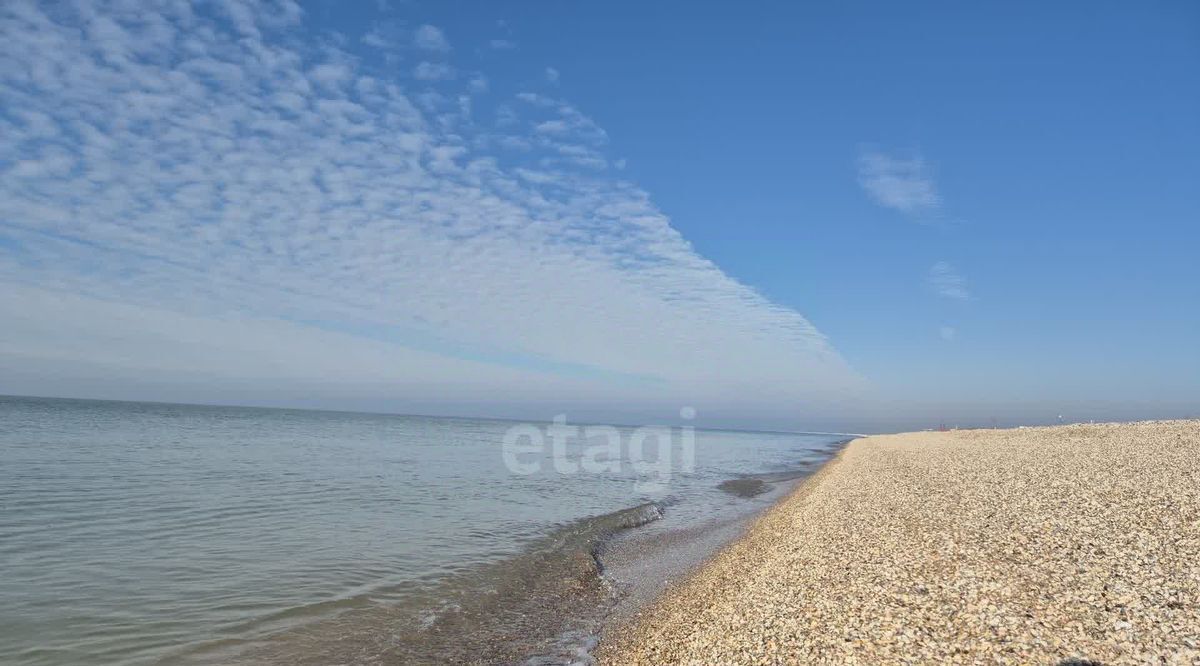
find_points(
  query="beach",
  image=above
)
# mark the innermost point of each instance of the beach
(1064, 544)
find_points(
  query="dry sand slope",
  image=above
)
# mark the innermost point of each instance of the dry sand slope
(1037, 545)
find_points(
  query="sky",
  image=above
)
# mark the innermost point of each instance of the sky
(855, 216)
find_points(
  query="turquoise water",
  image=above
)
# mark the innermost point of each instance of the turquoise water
(139, 533)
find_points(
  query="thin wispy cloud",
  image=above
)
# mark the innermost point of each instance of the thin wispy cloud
(199, 198)
(948, 333)
(552, 75)
(431, 38)
(376, 39)
(901, 184)
(946, 282)
(389, 36)
(433, 71)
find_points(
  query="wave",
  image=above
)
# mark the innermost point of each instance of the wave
(752, 485)
(545, 605)
(534, 603)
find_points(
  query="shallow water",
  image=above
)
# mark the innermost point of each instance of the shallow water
(138, 533)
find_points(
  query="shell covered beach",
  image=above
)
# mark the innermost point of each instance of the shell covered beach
(1066, 544)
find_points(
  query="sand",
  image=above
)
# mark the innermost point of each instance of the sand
(1037, 545)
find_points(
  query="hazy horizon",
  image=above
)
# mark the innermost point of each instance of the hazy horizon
(884, 421)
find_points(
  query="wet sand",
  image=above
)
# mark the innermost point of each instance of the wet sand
(1037, 545)
(642, 564)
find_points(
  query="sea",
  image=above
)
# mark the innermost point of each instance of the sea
(153, 533)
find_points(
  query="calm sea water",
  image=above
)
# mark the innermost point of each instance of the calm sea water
(138, 533)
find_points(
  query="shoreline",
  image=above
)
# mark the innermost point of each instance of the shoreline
(649, 566)
(630, 608)
(1030, 544)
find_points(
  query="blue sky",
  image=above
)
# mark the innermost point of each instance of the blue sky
(786, 216)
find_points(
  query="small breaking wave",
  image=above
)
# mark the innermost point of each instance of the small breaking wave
(748, 486)
(534, 603)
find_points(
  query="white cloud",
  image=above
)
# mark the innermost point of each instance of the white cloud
(948, 333)
(233, 208)
(902, 184)
(563, 120)
(433, 71)
(430, 38)
(552, 127)
(502, 44)
(552, 75)
(330, 74)
(391, 37)
(376, 39)
(946, 282)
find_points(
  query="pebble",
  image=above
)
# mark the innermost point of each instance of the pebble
(1033, 545)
